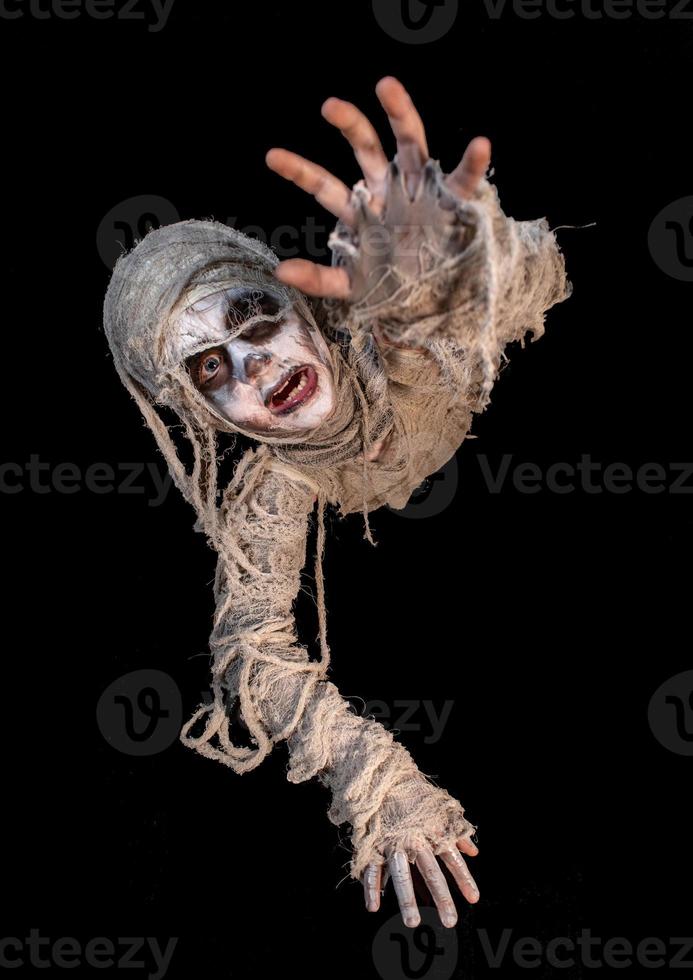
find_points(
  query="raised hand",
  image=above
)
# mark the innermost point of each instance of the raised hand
(412, 155)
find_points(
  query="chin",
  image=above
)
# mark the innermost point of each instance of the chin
(310, 417)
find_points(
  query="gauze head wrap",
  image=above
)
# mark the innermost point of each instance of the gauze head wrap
(178, 264)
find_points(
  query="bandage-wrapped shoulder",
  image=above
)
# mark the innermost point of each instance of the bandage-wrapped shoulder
(437, 267)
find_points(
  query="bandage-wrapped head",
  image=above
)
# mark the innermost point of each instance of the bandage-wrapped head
(160, 311)
(173, 270)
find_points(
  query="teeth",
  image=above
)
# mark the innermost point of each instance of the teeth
(298, 388)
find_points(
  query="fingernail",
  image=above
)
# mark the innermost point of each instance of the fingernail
(449, 921)
(412, 921)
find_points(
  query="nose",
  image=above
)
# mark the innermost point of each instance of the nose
(254, 363)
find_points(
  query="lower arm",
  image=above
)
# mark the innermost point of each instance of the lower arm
(375, 784)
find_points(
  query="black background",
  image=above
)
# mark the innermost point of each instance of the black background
(550, 620)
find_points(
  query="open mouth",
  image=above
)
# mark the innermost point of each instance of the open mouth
(293, 390)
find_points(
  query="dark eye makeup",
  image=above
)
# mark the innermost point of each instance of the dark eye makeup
(209, 369)
(262, 331)
(242, 304)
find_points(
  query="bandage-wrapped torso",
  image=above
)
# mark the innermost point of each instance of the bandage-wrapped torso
(442, 315)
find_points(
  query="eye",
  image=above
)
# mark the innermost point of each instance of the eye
(210, 369)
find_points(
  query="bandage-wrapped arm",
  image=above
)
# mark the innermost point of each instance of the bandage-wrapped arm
(283, 695)
(440, 268)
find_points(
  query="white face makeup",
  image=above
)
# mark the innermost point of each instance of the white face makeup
(274, 376)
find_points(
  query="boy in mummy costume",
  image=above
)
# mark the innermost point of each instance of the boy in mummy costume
(355, 383)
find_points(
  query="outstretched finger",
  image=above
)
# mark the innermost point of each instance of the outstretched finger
(475, 161)
(400, 873)
(408, 127)
(467, 846)
(364, 140)
(327, 189)
(437, 885)
(314, 279)
(460, 872)
(372, 878)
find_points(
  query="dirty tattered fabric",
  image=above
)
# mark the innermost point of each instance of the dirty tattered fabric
(440, 288)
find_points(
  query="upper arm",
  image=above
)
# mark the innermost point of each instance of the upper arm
(268, 525)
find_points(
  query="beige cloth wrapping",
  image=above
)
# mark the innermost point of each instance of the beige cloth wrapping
(459, 280)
